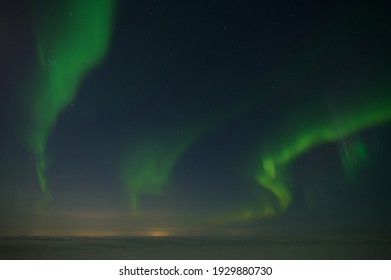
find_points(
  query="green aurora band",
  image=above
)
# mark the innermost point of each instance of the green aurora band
(72, 37)
(272, 174)
(146, 168)
(306, 129)
(147, 163)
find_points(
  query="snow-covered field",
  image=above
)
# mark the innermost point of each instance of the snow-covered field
(303, 247)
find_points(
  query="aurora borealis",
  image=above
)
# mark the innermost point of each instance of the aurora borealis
(194, 117)
(71, 38)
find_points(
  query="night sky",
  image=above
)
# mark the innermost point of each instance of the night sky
(157, 117)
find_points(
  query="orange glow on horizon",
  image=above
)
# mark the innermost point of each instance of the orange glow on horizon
(158, 233)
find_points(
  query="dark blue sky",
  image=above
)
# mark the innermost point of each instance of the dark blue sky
(201, 117)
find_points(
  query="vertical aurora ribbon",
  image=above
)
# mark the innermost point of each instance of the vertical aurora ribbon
(72, 37)
(147, 165)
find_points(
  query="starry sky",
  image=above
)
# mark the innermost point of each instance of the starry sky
(159, 117)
